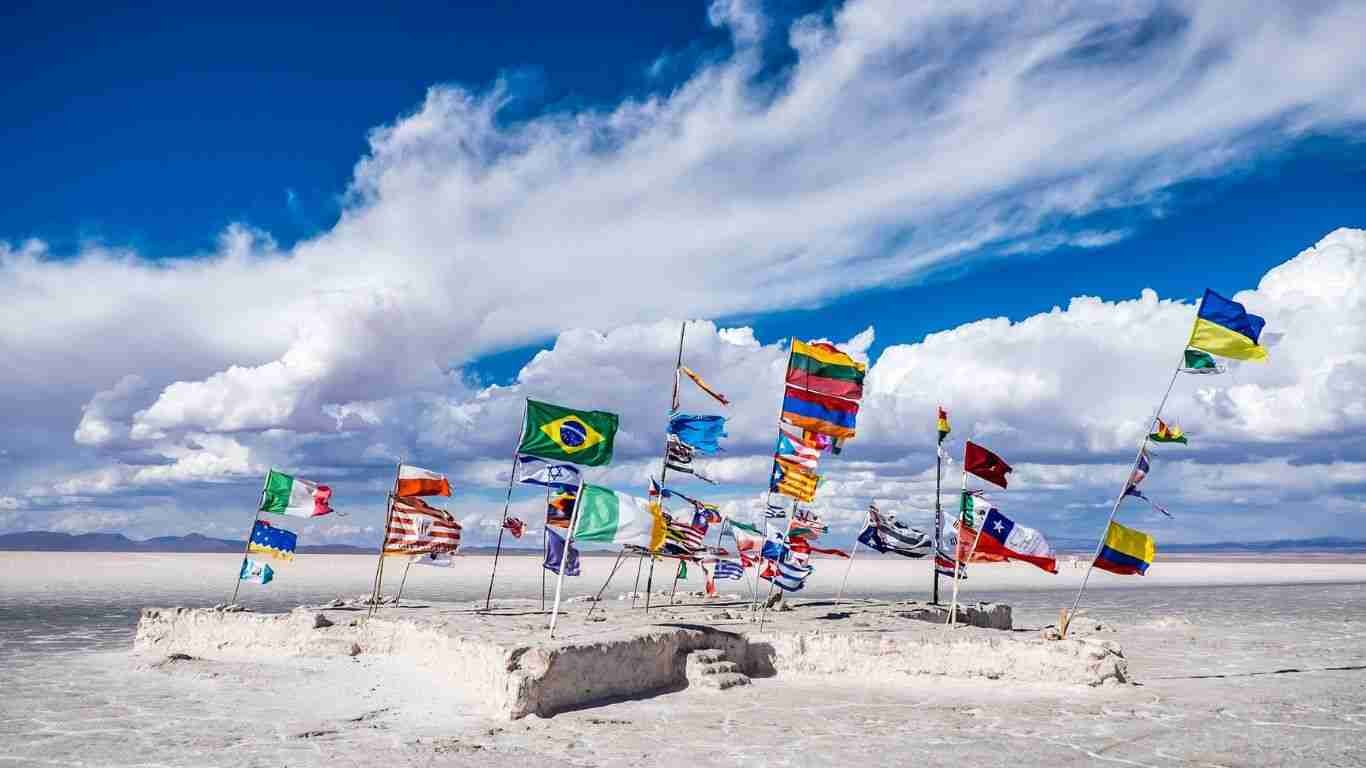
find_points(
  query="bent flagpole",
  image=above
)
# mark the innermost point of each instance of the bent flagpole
(384, 536)
(246, 548)
(664, 465)
(1114, 510)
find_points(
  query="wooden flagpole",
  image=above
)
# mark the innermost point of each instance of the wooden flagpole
(246, 548)
(507, 502)
(1066, 618)
(847, 569)
(564, 555)
(938, 512)
(398, 599)
(635, 589)
(953, 610)
(384, 536)
(958, 540)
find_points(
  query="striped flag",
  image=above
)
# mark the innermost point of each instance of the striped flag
(416, 527)
(728, 569)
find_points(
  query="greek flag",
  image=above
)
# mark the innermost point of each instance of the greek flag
(729, 569)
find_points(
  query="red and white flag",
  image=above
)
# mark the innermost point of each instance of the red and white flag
(416, 481)
(1002, 537)
(416, 528)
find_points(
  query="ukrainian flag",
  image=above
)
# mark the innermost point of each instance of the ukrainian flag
(1126, 551)
(1223, 327)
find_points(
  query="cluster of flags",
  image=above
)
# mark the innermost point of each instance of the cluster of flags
(288, 496)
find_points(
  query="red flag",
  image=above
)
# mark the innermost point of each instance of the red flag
(515, 527)
(985, 464)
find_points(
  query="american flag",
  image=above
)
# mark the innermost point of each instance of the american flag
(687, 536)
(416, 527)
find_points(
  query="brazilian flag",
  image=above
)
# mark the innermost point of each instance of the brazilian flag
(566, 434)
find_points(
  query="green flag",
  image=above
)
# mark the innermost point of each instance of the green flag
(1200, 362)
(556, 432)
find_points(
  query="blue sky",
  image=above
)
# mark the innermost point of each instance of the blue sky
(312, 237)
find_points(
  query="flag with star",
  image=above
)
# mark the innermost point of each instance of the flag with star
(568, 434)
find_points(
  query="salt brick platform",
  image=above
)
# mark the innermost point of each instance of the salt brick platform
(504, 660)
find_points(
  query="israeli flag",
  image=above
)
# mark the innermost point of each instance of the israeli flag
(551, 474)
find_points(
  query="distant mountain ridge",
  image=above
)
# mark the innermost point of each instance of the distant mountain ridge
(53, 541)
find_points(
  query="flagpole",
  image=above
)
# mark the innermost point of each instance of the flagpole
(953, 611)
(598, 599)
(673, 594)
(384, 536)
(958, 543)
(507, 502)
(635, 589)
(564, 555)
(1142, 443)
(398, 599)
(664, 468)
(938, 512)
(849, 568)
(545, 534)
(246, 548)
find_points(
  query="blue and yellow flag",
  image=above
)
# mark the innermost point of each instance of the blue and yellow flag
(1225, 328)
(266, 539)
(566, 434)
(1126, 551)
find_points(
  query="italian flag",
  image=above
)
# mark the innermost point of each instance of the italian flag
(293, 496)
(608, 516)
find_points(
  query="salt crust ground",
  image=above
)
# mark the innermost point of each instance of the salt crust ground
(505, 662)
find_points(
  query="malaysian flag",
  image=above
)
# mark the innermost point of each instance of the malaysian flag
(416, 528)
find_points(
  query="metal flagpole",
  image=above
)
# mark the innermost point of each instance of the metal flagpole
(1142, 443)
(384, 536)
(938, 512)
(398, 599)
(564, 555)
(613, 572)
(664, 468)
(849, 568)
(507, 502)
(246, 548)
(958, 540)
(673, 594)
(545, 535)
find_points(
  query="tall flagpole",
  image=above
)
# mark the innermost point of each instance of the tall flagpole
(1142, 444)
(564, 555)
(246, 548)
(958, 542)
(545, 536)
(384, 536)
(507, 502)
(938, 512)
(852, 553)
(664, 465)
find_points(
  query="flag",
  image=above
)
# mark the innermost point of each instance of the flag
(943, 565)
(294, 496)
(822, 442)
(678, 456)
(1167, 433)
(1225, 328)
(565, 434)
(515, 527)
(880, 535)
(985, 464)
(972, 508)
(774, 511)
(1201, 363)
(682, 569)
(815, 412)
(416, 527)
(822, 368)
(255, 571)
(966, 536)
(554, 551)
(793, 447)
(537, 471)
(806, 524)
(416, 481)
(437, 559)
(1002, 536)
(274, 542)
(608, 516)
(709, 577)
(710, 512)
(1141, 469)
(802, 547)
(728, 569)
(943, 424)
(686, 538)
(701, 433)
(559, 508)
(748, 541)
(791, 480)
(1126, 551)
(702, 385)
(1132, 491)
(775, 543)
(786, 575)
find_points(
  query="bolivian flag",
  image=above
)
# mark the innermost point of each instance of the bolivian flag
(1126, 551)
(1225, 328)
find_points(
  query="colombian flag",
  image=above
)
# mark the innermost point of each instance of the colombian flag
(1126, 551)
(1223, 327)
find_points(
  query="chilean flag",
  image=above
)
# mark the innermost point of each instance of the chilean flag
(1001, 536)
